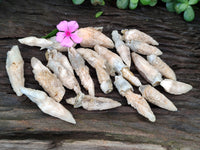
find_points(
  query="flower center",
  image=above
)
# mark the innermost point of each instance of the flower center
(68, 34)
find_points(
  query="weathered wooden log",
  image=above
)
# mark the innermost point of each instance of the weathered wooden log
(20, 119)
(69, 144)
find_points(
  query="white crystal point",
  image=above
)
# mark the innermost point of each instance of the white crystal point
(154, 96)
(175, 87)
(48, 105)
(15, 69)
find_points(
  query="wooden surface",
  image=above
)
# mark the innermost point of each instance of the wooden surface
(24, 126)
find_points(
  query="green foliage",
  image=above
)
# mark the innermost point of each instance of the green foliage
(122, 4)
(153, 3)
(181, 1)
(97, 2)
(93, 2)
(189, 14)
(178, 6)
(52, 33)
(134, 1)
(170, 6)
(145, 2)
(133, 4)
(193, 2)
(98, 14)
(78, 2)
(166, 1)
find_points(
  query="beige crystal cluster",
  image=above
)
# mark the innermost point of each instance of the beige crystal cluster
(59, 74)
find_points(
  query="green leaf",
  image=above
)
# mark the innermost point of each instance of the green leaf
(145, 2)
(52, 33)
(170, 6)
(166, 1)
(78, 2)
(182, 1)
(189, 14)
(134, 1)
(97, 2)
(193, 2)
(133, 4)
(98, 14)
(153, 3)
(180, 7)
(122, 4)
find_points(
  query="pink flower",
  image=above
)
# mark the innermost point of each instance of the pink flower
(68, 34)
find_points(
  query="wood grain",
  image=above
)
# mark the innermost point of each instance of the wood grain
(69, 144)
(21, 120)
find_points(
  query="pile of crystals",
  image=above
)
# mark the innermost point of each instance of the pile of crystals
(94, 48)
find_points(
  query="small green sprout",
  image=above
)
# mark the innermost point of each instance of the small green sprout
(98, 14)
(52, 33)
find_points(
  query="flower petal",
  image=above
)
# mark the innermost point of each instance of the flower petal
(67, 42)
(72, 26)
(75, 37)
(60, 36)
(62, 26)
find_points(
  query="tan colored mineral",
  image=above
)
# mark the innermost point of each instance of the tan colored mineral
(48, 105)
(91, 37)
(15, 69)
(175, 87)
(50, 83)
(134, 34)
(116, 63)
(151, 74)
(135, 100)
(121, 48)
(66, 76)
(34, 41)
(50, 43)
(154, 96)
(97, 62)
(61, 58)
(95, 103)
(78, 64)
(143, 48)
(161, 66)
